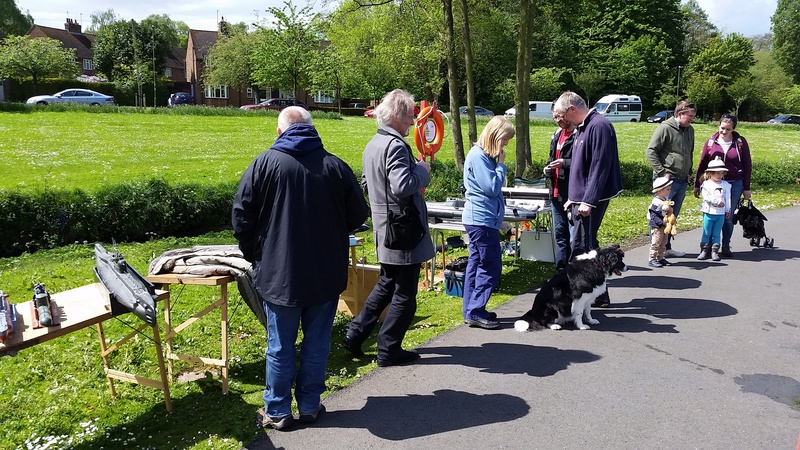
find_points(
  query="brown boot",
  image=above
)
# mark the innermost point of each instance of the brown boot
(715, 253)
(703, 252)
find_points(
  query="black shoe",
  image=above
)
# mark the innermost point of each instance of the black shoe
(311, 417)
(664, 262)
(398, 359)
(480, 322)
(352, 347)
(492, 315)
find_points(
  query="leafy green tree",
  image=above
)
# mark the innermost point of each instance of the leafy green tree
(546, 83)
(23, 57)
(639, 67)
(101, 18)
(590, 81)
(697, 30)
(770, 82)
(786, 40)
(666, 96)
(728, 59)
(12, 21)
(113, 49)
(229, 62)
(793, 99)
(740, 90)
(283, 55)
(704, 90)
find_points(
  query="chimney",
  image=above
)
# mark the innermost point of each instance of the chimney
(72, 26)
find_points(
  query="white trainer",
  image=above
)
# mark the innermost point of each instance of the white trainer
(674, 254)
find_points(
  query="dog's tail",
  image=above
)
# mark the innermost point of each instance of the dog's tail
(525, 323)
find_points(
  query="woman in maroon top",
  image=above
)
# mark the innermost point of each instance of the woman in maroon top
(732, 148)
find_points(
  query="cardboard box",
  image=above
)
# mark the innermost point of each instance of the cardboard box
(537, 246)
(360, 282)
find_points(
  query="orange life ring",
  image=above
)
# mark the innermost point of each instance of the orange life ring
(429, 131)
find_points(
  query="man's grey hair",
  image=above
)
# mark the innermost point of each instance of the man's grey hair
(292, 115)
(396, 104)
(567, 99)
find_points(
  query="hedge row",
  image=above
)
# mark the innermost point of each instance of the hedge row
(141, 210)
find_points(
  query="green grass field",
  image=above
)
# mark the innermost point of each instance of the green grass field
(44, 149)
(55, 394)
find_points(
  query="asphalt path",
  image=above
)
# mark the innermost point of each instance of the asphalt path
(697, 355)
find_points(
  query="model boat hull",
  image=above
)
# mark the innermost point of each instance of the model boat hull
(126, 287)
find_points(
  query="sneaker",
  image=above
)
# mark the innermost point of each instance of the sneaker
(492, 315)
(276, 423)
(726, 252)
(480, 322)
(398, 359)
(654, 263)
(311, 417)
(664, 262)
(674, 253)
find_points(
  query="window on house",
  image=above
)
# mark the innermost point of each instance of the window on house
(168, 72)
(323, 97)
(216, 91)
(249, 92)
(87, 64)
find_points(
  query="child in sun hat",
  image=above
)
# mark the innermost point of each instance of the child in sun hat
(655, 215)
(716, 207)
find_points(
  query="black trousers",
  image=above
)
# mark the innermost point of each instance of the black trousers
(397, 289)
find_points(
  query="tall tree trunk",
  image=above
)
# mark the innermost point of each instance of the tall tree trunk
(522, 88)
(452, 81)
(473, 130)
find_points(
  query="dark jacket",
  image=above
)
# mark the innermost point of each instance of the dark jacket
(563, 173)
(292, 215)
(595, 174)
(737, 160)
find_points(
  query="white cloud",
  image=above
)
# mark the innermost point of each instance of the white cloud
(748, 18)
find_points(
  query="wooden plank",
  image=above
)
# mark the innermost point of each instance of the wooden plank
(185, 278)
(196, 359)
(132, 378)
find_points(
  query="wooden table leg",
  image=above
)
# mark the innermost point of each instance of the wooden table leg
(168, 331)
(224, 338)
(104, 355)
(162, 372)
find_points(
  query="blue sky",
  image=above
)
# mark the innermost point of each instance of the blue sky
(750, 17)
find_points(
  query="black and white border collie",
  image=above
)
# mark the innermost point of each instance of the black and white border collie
(569, 295)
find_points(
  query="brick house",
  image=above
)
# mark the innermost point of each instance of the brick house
(70, 37)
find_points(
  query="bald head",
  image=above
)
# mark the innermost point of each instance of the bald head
(292, 115)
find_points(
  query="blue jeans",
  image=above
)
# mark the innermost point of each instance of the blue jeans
(282, 371)
(484, 266)
(712, 227)
(737, 187)
(562, 233)
(677, 192)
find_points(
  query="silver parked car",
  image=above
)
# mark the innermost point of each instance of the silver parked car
(479, 111)
(84, 96)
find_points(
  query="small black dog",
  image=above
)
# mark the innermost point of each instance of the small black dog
(569, 295)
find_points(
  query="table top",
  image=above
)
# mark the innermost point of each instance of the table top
(189, 278)
(77, 308)
(447, 210)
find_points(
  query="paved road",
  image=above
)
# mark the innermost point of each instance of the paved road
(697, 355)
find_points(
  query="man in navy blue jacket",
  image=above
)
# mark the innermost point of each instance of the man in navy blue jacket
(595, 176)
(292, 216)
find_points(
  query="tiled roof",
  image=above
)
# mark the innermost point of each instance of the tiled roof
(202, 41)
(176, 58)
(82, 43)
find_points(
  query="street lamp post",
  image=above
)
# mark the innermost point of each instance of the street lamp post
(678, 87)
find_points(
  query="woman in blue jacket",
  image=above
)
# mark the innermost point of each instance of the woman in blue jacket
(484, 175)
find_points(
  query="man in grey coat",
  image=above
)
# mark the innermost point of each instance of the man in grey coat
(394, 178)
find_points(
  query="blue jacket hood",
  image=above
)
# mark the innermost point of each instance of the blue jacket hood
(297, 140)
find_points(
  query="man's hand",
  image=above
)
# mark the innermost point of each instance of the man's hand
(584, 210)
(425, 165)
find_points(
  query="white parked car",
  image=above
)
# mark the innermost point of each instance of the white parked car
(535, 109)
(84, 96)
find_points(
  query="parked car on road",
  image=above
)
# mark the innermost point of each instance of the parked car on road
(661, 116)
(479, 111)
(786, 118)
(275, 104)
(84, 96)
(180, 98)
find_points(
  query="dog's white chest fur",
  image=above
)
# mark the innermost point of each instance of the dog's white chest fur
(580, 308)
